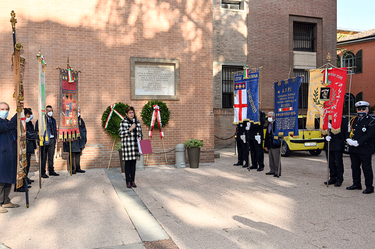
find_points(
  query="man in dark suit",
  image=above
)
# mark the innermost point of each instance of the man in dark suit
(256, 143)
(48, 148)
(362, 147)
(272, 145)
(242, 145)
(336, 147)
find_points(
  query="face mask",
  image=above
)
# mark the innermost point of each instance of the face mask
(50, 114)
(79, 114)
(4, 114)
(28, 120)
(270, 120)
(361, 114)
(31, 116)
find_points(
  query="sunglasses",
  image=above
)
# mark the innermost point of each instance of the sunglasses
(361, 108)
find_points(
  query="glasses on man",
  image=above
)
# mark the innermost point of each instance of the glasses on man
(361, 108)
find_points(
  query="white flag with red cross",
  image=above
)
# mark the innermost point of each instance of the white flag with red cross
(240, 102)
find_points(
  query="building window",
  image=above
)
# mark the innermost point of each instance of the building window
(304, 37)
(304, 88)
(233, 4)
(227, 84)
(348, 60)
(338, 61)
(358, 62)
(349, 102)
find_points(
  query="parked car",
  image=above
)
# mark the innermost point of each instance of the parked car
(311, 141)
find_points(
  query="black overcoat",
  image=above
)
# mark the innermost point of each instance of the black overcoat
(363, 132)
(78, 144)
(8, 150)
(31, 136)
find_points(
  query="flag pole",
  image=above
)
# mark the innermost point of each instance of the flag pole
(110, 157)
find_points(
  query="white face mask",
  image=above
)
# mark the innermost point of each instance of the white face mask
(4, 114)
(28, 120)
(50, 114)
(270, 120)
(31, 116)
(79, 114)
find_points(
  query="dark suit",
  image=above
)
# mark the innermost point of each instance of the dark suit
(363, 132)
(336, 148)
(256, 149)
(243, 148)
(48, 149)
(31, 136)
(273, 149)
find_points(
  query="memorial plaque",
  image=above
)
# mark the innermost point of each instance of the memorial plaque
(153, 78)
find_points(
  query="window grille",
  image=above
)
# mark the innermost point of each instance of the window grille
(233, 4)
(304, 88)
(304, 37)
(227, 84)
(348, 60)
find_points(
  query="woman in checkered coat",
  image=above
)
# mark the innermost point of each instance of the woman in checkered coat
(130, 131)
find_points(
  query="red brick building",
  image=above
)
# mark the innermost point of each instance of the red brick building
(283, 37)
(358, 50)
(100, 37)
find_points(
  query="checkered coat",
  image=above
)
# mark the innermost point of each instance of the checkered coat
(129, 144)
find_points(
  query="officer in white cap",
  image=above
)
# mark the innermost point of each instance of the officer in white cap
(362, 147)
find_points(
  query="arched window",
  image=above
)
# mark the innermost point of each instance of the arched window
(338, 61)
(348, 60)
(358, 62)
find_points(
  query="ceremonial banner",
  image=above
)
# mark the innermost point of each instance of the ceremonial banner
(42, 98)
(286, 106)
(314, 106)
(333, 91)
(246, 96)
(68, 129)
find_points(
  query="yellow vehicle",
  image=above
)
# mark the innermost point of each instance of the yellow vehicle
(306, 140)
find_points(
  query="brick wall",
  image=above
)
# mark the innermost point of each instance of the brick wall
(100, 37)
(269, 44)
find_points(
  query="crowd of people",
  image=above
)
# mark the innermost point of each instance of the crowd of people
(8, 147)
(360, 141)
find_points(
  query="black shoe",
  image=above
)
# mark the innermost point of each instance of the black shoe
(275, 175)
(338, 184)
(80, 171)
(330, 182)
(253, 167)
(368, 190)
(245, 166)
(22, 189)
(238, 164)
(260, 169)
(73, 172)
(29, 181)
(354, 187)
(45, 176)
(270, 173)
(53, 174)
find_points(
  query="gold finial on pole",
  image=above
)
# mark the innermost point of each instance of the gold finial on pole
(329, 57)
(13, 19)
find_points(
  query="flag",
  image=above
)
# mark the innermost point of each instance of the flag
(240, 102)
(42, 98)
(335, 89)
(286, 106)
(314, 104)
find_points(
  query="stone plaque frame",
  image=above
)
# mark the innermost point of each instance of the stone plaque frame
(154, 61)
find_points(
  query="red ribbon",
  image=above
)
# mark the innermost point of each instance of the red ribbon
(155, 116)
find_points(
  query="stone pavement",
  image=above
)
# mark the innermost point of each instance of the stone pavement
(215, 206)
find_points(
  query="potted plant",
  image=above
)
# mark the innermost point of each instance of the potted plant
(122, 162)
(194, 149)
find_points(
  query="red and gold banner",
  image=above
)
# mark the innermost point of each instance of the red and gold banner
(68, 129)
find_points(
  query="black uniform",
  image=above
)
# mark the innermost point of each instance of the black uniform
(256, 149)
(242, 148)
(363, 131)
(31, 136)
(336, 148)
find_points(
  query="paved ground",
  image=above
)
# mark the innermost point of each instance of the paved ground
(215, 206)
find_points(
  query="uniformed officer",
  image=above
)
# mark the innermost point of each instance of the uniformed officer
(336, 148)
(362, 147)
(256, 143)
(242, 145)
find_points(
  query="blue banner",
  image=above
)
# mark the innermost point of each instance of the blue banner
(252, 93)
(286, 107)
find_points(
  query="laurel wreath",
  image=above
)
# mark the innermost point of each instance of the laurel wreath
(148, 109)
(114, 122)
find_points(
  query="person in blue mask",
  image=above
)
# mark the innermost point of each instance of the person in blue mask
(362, 147)
(8, 156)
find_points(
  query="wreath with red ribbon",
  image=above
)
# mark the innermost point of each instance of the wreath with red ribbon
(112, 117)
(148, 110)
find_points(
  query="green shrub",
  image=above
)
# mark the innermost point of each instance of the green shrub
(194, 143)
